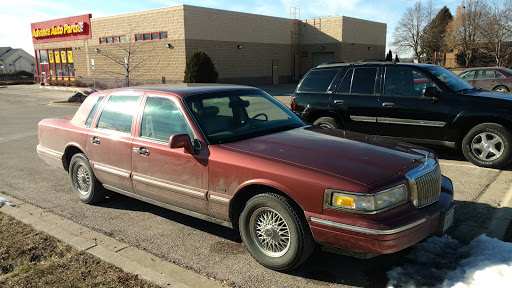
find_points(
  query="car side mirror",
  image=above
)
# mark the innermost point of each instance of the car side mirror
(182, 141)
(431, 92)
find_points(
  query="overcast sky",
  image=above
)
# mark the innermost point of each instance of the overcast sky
(16, 15)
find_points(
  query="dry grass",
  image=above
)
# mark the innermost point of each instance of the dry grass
(29, 258)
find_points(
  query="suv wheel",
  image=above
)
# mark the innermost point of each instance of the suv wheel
(327, 123)
(488, 145)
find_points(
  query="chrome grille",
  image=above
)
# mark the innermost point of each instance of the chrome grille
(425, 184)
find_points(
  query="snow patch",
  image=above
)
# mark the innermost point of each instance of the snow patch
(5, 201)
(444, 262)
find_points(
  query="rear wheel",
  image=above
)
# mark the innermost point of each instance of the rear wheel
(274, 233)
(85, 185)
(488, 145)
(327, 123)
(501, 89)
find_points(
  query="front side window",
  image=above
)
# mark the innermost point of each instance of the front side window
(118, 113)
(161, 119)
(318, 81)
(405, 82)
(468, 75)
(230, 116)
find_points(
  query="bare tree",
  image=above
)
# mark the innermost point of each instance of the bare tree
(496, 29)
(128, 55)
(464, 32)
(407, 34)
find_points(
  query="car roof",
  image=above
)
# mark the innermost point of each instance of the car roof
(370, 63)
(182, 90)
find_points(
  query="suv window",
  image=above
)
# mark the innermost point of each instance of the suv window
(363, 81)
(161, 119)
(405, 82)
(317, 81)
(118, 113)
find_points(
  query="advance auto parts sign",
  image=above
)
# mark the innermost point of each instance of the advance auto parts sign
(71, 28)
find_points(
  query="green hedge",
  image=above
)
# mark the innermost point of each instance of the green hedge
(17, 75)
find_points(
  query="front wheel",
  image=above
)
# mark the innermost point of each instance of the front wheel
(274, 233)
(488, 145)
(85, 185)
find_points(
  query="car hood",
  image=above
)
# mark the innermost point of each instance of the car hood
(483, 93)
(354, 156)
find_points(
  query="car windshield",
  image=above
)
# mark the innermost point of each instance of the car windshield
(236, 115)
(449, 79)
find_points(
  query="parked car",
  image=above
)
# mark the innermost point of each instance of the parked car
(489, 78)
(417, 103)
(237, 157)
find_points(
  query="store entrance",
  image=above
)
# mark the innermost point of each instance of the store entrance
(45, 73)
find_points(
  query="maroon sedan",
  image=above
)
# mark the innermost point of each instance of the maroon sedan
(489, 78)
(235, 156)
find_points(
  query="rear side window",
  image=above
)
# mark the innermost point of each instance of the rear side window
(161, 119)
(317, 81)
(93, 111)
(359, 81)
(118, 113)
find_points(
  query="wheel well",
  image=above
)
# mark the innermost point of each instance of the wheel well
(476, 121)
(313, 116)
(500, 86)
(241, 197)
(68, 154)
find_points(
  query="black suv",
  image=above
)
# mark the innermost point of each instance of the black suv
(417, 103)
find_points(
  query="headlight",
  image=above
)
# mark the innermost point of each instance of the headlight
(366, 203)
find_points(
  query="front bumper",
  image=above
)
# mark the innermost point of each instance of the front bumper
(383, 233)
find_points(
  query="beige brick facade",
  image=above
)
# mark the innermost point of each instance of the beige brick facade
(295, 45)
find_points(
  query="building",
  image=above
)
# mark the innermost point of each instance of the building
(154, 45)
(16, 59)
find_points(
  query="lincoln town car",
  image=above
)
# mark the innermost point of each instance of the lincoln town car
(235, 156)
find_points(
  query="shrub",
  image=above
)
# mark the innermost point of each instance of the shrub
(200, 69)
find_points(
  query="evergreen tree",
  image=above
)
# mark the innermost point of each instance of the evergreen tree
(396, 58)
(200, 69)
(389, 56)
(433, 38)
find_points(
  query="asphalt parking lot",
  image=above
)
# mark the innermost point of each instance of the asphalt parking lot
(194, 244)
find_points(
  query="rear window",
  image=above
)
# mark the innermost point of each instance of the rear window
(317, 81)
(93, 111)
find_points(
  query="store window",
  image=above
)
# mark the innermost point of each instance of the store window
(57, 64)
(151, 36)
(113, 39)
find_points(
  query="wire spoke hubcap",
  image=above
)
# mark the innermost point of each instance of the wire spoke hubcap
(270, 232)
(83, 180)
(487, 146)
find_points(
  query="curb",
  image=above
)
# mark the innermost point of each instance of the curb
(502, 219)
(122, 255)
(66, 89)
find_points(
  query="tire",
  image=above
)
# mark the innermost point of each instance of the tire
(278, 218)
(501, 89)
(83, 181)
(488, 145)
(327, 123)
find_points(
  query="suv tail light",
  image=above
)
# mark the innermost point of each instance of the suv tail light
(292, 104)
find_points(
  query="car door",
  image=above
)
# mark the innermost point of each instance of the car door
(167, 175)
(403, 110)
(355, 102)
(109, 141)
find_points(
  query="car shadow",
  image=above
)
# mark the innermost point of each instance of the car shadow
(325, 268)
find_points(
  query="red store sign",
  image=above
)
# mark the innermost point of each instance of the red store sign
(71, 28)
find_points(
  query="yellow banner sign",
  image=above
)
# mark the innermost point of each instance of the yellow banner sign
(50, 56)
(57, 57)
(59, 30)
(63, 56)
(70, 56)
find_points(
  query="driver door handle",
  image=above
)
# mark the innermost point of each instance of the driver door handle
(95, 140)
(339, 101)
(388, 104)
(142, 151)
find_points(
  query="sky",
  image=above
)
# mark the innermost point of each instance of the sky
(16, 15)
